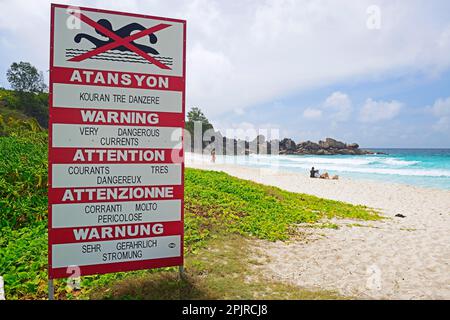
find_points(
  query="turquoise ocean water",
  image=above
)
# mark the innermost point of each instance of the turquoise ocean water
(420, 167)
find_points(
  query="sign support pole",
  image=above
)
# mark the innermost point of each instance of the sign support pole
(182, 273)
(51, 290)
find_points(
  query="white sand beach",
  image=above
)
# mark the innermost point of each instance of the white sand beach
(397, 258)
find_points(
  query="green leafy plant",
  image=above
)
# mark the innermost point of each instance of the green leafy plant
(216, 206)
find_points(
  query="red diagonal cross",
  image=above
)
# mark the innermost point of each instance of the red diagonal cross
(118, 41)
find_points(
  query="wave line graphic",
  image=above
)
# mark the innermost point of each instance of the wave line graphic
(113, 55)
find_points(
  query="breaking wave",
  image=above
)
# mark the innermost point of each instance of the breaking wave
(340, 161)
(386, 171)
(420, 167)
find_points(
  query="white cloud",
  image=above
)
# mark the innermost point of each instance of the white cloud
(245, 53)
(374, 111)
(441, 109)
(340, 105)
(311, 113)
(239, 111)
(442, 125)
(337, 107)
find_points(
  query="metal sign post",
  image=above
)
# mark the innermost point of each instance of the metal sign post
(51, 290)
(182, 273)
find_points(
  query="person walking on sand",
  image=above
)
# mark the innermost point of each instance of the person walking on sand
(213, 155)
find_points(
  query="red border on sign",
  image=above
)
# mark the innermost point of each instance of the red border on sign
(179, 84)
(129, 14)
(121, 267)
(64, 74)
(66, 235)
(74, 116)
(57, 194)
(50, 140)
(66, 156)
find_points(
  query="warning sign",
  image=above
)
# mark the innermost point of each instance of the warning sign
(116, 170)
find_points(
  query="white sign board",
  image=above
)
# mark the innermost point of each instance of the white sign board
(116, 170)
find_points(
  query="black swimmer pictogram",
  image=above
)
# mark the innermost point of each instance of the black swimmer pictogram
(123, 32)
(121, 41)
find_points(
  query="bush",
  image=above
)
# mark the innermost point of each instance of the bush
(215, 200)
(215, 204)
(31, 104)
(23, 179)
(23, 261)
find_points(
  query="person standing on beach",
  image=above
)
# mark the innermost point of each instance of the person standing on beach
(213, 155)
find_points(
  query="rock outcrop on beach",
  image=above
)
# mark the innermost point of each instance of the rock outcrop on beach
(260, 145)
(288, 146)
(328, 147)
(205, 139)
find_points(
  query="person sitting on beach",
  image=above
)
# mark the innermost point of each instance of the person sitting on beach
(325, 176)
(313, 173)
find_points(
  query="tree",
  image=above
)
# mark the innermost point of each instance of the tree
(196, 115)
(24, 77)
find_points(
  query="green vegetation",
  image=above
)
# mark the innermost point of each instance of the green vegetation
(23, 181)
(219, 201)
(222, 215)
(24, 77)
(18, 105)
(222, 270)
(28, 99)
(195, 115)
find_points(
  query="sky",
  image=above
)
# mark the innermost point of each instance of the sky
(373, 72)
